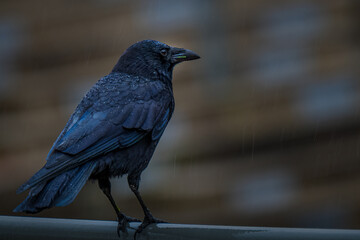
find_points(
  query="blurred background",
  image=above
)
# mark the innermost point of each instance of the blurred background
(266, 130)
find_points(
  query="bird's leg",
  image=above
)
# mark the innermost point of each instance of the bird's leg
(149, 218)
(123, 220)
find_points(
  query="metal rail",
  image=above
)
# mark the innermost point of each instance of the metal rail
(29, 228)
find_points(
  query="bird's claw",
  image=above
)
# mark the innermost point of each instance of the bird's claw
(147, 221)
(123, 224)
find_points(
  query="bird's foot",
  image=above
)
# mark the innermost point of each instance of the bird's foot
(147, 221)
(123, 224)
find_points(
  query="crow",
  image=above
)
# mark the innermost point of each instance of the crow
(113, 132)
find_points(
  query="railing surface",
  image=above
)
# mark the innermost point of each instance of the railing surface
(29, 228)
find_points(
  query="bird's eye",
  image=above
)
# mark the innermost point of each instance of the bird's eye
(163, 52)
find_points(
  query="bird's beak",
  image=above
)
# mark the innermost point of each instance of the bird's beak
(181, 54)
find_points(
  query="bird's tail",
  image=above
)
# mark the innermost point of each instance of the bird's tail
(59, 191)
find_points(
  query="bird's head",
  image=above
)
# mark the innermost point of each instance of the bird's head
(149, 57)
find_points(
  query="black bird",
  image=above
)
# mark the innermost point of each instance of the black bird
(113, 131)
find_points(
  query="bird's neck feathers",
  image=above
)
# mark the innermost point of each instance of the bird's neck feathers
(141, 66)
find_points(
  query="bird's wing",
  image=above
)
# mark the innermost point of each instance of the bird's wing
(91, 133)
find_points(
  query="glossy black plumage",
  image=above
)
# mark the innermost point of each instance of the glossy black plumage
(113, 131)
